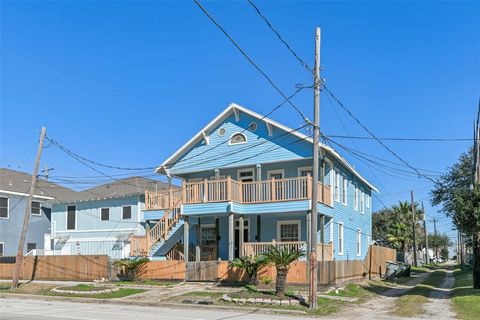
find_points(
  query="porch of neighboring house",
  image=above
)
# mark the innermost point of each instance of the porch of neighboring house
(281, 218)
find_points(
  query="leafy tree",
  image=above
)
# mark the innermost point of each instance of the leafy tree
(282, 258)
(381, 222)
(440, 243)
(130, 268)
(252, 265)
(462, 203)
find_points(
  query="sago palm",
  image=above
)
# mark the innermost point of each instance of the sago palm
(251, 265)
(131, 267)
(282, 258)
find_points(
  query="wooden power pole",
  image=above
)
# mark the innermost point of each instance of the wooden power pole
(414, 218)
(26, 218)
(427, 257)
(315, 168)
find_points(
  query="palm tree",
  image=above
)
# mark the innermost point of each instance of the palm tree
(130, 267)
(251, 265)
(282, 258)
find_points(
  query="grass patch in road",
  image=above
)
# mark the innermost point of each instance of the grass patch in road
(411, 303)
(352, 290)
(466, 300)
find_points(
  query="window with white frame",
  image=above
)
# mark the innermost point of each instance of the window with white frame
(305, 171)
(344, 190)
(238, 138)
(4, 207)
(362, 202)
(1, 249)
(126, 212)
(359, 242)
(367, 200)
(288, 231)
(105, 216)
(71, 217)
(340, 238)
(208, 235)
(355, 201)
(336, 189)
(35, 208)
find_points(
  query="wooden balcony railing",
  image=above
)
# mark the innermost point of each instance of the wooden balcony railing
(258, 248)
(208, 191)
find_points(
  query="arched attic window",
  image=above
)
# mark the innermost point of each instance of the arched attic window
(238, 138)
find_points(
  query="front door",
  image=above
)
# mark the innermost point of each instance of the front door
(237, 235)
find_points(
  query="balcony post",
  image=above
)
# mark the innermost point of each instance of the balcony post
(309, 186)
(147, 239)
(229, 188)
(273, 191)
(186, 229)
(231, 231)
(205, 188)
(184, 192)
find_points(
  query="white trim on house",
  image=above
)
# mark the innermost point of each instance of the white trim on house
(234, 134)
(66, 218)
(233, 107)
(39, 214)
(336, 187)
(96, 230)
(101, 209)
(342, 237)
(246, 222)
(276, 171)
(359, 242)
(8, 209)
(282, 222)
(331, 175)
(131, 213)
(252, 170)
(362, 202)
(25, 194)
(356, 199)
(344, 190)
(306, 168)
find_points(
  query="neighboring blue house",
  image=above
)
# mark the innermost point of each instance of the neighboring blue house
(101, 220)
(14, 189)
(246, 184)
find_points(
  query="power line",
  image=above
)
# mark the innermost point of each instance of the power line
(302, 62)
(397, 139)
(373, 135)
(272, 83)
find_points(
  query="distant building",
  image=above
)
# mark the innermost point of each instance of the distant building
(14, 189)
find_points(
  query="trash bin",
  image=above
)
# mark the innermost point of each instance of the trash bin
(392, 270)
(406, 268)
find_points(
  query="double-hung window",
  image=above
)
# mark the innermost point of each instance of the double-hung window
(359, 242)
(1, 249)
(35, 209)
(355, 204)
(3, 207)
(127, 212)
(362, 202)
(105, 214)
(71, 217)
(336, 181)
(344, 190)
(340, 238)
(288, 231)
(367, 200)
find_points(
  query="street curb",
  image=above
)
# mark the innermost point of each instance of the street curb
(149, 304)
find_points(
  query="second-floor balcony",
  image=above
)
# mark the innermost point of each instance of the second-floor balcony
(225, 190)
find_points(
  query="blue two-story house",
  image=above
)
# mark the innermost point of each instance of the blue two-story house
(247, 183)
(14, 193)
(102, 219)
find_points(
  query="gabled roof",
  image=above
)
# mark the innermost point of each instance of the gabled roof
(130, 186)
(18, 183)
(233, 107)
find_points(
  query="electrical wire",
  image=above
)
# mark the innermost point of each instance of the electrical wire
(397, 139)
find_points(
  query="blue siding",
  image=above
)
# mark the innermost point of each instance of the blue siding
(280, 146)
(11, 228)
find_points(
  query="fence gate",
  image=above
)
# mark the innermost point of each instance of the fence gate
(202, 271)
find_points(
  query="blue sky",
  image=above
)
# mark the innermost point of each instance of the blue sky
(127, 83)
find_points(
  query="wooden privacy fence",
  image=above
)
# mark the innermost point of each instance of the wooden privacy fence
(72, 268)
(163, 270)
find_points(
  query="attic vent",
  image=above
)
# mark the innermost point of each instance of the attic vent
(238, 138)
(221, 132)
(252, 126)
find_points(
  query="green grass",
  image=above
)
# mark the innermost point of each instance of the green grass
(84, 287)
(123, 292)
(146, 282)
(411, 303)
(352, 291)
(466, 300)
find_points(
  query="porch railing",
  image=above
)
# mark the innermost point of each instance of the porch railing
(258, 248)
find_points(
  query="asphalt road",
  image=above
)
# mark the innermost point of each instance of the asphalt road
(46, 310)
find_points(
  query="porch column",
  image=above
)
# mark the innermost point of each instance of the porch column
(147, 234)
(186, 229)
(231, 232)
(259, 228)
(197, 247)
(240, 236)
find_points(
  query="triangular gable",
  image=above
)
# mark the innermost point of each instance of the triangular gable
(270, 142)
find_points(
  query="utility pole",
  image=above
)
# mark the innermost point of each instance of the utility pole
(315, 167)
(414, 233)
(434, 220)
(427, 257)
(46, 172)
(26, 218)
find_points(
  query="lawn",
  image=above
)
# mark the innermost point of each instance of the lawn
(411, 303)
(146, 282)
(466, 300)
